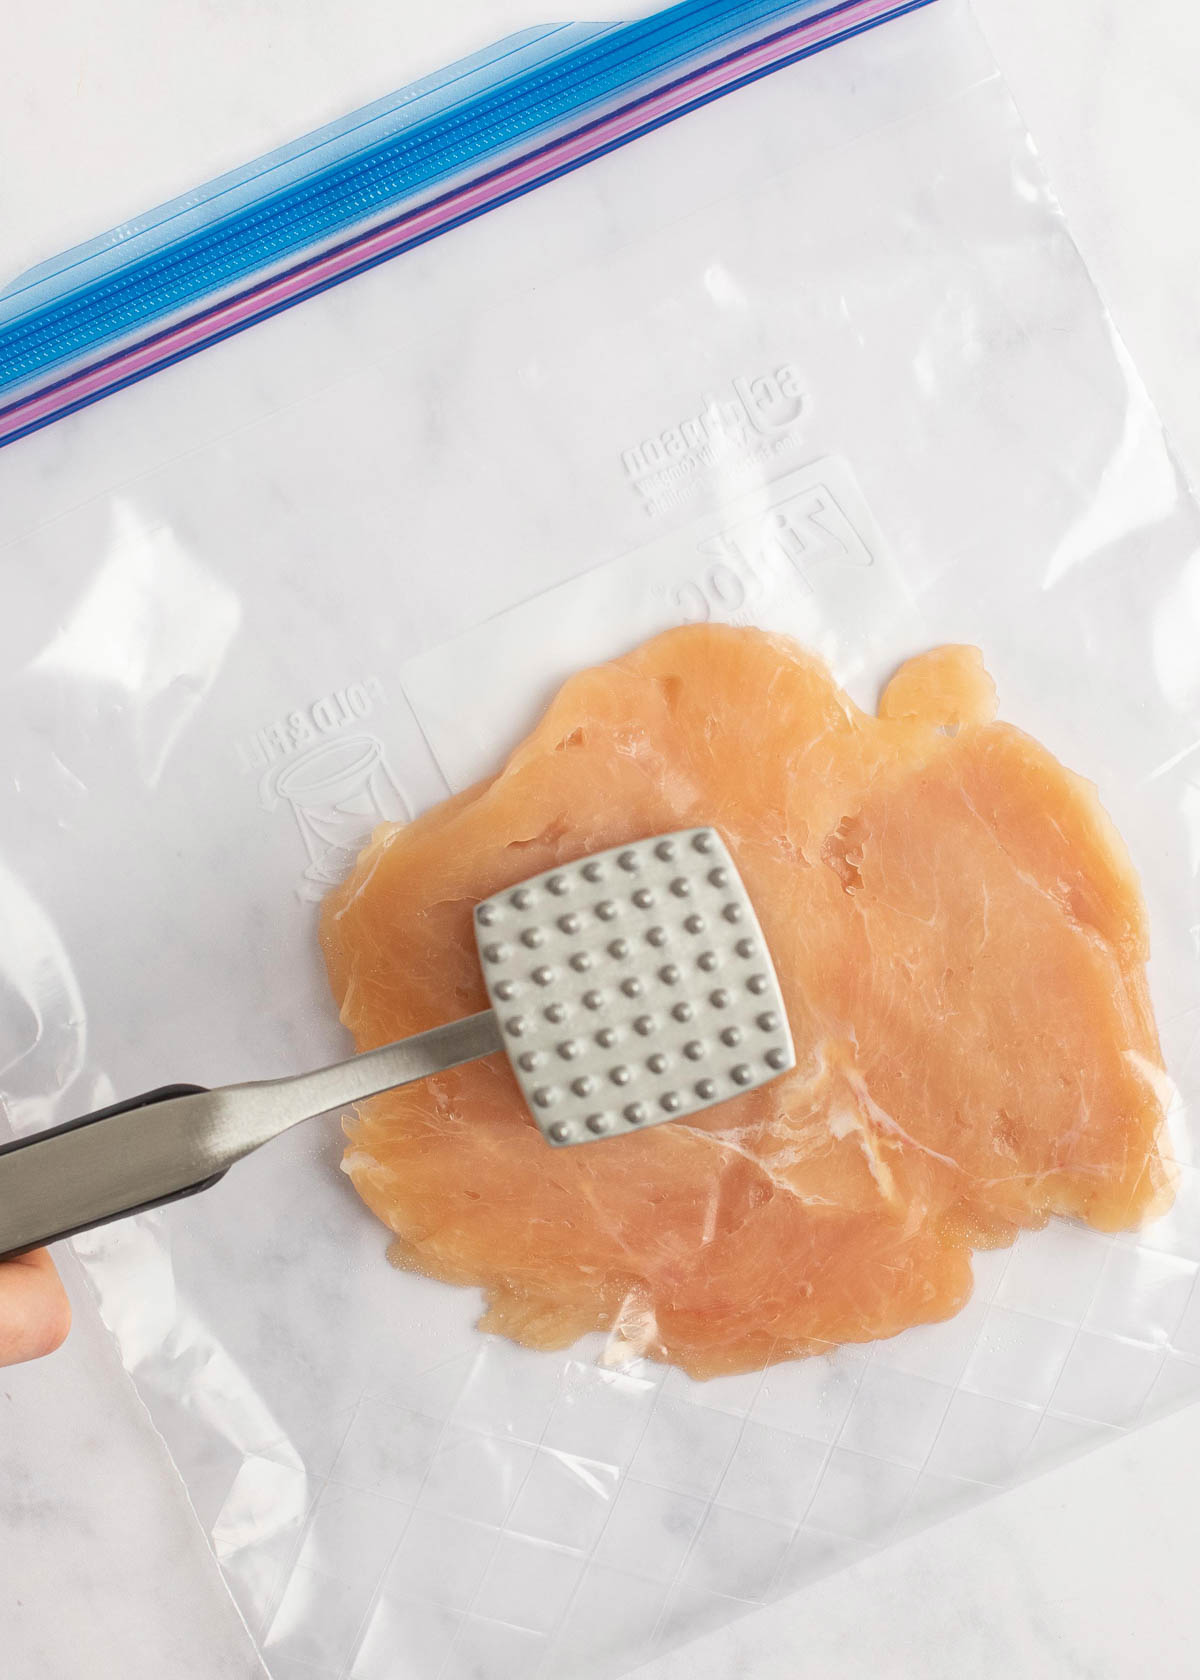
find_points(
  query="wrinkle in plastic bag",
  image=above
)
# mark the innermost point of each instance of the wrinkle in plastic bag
(820, 357)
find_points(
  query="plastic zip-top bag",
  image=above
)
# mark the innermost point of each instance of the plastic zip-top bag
(817, 359)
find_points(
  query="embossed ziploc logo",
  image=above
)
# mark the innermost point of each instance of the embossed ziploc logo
(747, 430)
(793, 537)
(800, 554)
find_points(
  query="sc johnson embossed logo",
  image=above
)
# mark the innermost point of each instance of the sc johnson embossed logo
(755, 423)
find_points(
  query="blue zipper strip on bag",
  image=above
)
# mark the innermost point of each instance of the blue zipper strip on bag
(459, 126)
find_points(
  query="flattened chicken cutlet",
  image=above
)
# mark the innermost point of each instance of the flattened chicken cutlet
(961, 941)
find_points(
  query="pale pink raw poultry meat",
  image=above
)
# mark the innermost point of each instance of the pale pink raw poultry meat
(961, 941)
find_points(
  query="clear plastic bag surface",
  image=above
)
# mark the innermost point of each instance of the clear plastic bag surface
(327, 572)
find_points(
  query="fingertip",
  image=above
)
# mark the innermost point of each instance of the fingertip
(55, 1325)
(54, 1304)
(35, 1311)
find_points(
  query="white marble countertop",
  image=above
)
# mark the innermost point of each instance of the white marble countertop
(1088, 1571)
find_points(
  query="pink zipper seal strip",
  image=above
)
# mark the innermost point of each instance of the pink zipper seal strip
(318, 273)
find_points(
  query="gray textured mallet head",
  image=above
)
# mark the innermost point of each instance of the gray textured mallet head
(633, 987)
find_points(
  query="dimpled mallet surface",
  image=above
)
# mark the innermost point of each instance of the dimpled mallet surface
(633, 987)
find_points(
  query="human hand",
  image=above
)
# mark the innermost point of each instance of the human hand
(35, 1314)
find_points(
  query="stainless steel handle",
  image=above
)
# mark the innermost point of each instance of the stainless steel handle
(180, 1140)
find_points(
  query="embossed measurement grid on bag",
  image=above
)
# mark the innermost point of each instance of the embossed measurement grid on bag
(626, 1505)
(570, 1513)
(625, 1509)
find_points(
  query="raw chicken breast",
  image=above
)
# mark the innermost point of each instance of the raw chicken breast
(961, 942)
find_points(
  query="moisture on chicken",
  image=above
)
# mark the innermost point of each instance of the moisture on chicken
(961, 942)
